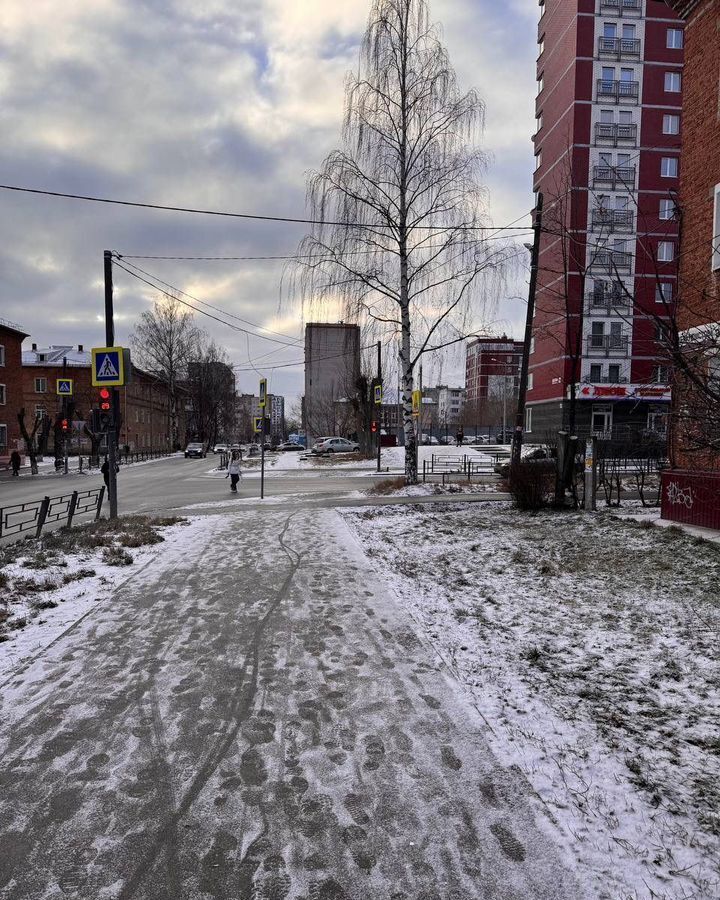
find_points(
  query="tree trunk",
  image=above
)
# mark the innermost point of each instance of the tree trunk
(29, 440)
(411, 475)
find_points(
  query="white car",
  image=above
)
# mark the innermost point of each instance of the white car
(220, 448)
(336, 445)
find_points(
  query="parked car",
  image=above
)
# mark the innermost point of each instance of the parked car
(195, 451)
(428, 439)
(220, 448)
(321, 440)
(253, 449)
(336, 445)
(289, 446)
(235, 447)
(504, 438)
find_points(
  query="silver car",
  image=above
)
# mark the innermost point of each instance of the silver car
(336, 445)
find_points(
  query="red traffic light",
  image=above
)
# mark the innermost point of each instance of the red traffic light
(64, 424)
(105, 399)
(373, 427)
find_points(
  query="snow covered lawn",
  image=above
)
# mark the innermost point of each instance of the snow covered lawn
(47, 585)
(590, 646)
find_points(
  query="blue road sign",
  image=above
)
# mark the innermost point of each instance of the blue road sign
(108, 367)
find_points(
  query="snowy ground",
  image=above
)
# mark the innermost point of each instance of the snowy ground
(44, 590)
(589, 644)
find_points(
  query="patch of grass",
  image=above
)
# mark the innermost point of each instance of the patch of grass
(17, 624)
(141, 537)
(135, 531)
(39, 603)
(116, 556)
(78, 576)
(3, 580)
(27, 586)
(387, 486)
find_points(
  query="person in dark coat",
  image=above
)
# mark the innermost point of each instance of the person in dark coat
(15, 462)
(105, 469)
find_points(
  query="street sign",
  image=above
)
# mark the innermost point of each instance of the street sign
(108, 366)
(417, 402)
(258, 424)
(64, 387)
(378, 395)
(263, 393)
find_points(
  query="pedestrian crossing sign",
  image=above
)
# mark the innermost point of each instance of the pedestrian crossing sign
(108, 366)
(64, 387)
(258, 424)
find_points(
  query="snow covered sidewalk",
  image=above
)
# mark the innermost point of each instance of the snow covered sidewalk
(258, 718)
(590, 646)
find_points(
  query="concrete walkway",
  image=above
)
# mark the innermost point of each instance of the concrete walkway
(258, 720)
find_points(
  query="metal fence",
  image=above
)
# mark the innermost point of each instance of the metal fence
(446, 465)
(36, 514)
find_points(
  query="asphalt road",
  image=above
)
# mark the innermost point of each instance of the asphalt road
(256, 719)
(175, 482)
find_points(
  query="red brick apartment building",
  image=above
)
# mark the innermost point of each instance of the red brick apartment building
(607, 148)
(492, 373)
(11, 395)
(691, 488)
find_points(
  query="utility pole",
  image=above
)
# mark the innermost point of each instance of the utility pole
(379, 418)
(522, 389)
(112, 433)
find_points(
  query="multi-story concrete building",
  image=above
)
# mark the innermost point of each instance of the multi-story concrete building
(691, 488)
(332, 371)
(11, 393)
(277, 417)
(451, 405)
(492, 367)
(607, 163)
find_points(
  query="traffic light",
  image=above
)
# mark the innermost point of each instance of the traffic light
(105, 398)
(64, 425)
(102, 418)
(374, 427)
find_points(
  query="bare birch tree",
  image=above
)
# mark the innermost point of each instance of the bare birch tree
(402, 198)
(164, 342)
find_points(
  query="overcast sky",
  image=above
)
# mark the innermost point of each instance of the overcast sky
(224, 104)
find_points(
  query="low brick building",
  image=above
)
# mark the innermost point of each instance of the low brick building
(11, 392)
(691, 488)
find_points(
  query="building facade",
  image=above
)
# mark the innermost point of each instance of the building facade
(607, 150)
(691, 487)
(11, 391)
(451, 407)
(277, 417)
(492, 378)
(332, 372)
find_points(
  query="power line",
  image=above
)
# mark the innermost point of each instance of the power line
(233, 215)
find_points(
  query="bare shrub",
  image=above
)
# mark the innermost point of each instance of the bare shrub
(532, 484)
(387, 486)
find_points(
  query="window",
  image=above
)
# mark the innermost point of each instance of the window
(595, 374)
(614, 374)
(41, 385)
(2, 355)
(671, 124)
(663, 292)
(538, 159)
(661, 375)
(628, 32)
(606, 116)
(3, 437)
(625, 116)
(716, 231)
(667, 209)
(672, 82)
(674, 39)
(532, 345)
(538, 122)
(541, 83)
(627, 75)
(666, 251)
(2, 395)
(531, 378)
(616, 335)
(528, 420)
(669, 167)
(541, 46)
(597, 336)
(609, 30)
(601, 421)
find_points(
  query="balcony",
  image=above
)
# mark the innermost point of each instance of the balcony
(607, 298)
(605, 379)
(618, 91)
(619, 48)
(607, 344)
(621, 7)
(611, 261)
(612, 220)
(614, 135)
(624, 176)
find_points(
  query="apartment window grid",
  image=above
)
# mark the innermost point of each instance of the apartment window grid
(2, 395)
(671, 124)
(41, 385)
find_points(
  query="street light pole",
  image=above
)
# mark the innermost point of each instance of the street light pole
(110, 342)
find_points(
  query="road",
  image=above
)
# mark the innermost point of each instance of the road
(257, 719)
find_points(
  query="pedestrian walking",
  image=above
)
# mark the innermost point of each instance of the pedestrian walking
(105, 469)
(459, 437)
(15, 461)
(234, 472)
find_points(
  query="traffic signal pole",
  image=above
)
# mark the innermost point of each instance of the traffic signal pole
(112, 432)
(379, 412)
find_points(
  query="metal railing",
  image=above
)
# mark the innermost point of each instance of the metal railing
(616, 133)
(620, 7)
(611, 260)
(618, 91)
(609, 344)
(612, 219)
(606, 379)
(614, 175)
(445, 465)
(618, 47)
(36, 514)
